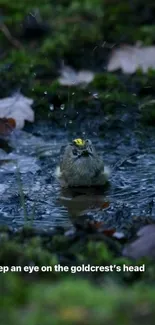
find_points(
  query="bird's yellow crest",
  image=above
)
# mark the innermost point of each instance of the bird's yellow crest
(79, 142)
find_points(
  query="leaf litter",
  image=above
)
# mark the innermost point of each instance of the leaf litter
(14, 111)
(130, 58)
(69, 77)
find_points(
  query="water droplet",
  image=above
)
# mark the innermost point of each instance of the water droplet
(62, 107)
(51, 107)
(73, 94)
(45, 92)
(70, 121)
(107, 96)
(95, 96)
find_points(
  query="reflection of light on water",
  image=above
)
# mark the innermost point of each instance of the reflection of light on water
(51, 107)
(62, 107)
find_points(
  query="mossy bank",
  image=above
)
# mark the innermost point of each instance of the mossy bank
(37, 38)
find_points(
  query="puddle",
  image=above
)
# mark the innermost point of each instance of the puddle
(28, 169)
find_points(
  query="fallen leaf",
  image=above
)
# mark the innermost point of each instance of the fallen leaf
(17, 108)
(70, 77)
(130, 58)
(144, 246)
(74, 314)
(6, 126)
(109, 232)
(99, 226)
(105, 205)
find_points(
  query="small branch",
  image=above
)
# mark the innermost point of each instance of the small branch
(9, 37)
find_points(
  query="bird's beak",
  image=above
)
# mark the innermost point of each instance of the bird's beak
(85, 153)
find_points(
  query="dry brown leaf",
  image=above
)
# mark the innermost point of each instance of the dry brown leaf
(69, 77)
(18, 108)
(74, 314)
(99, 226)
(109, 232)
(6, 126)
(130, 58)
(105, 205)
(144, 246)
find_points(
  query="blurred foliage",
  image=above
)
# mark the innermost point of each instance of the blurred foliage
(71, 297)
(80, 34)
(73, 302)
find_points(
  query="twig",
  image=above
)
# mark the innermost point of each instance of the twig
(9, 37)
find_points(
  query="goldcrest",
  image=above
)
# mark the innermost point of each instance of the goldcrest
(80, 165)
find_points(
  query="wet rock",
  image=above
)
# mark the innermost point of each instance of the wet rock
(144, 246)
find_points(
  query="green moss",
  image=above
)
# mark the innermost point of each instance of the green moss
(148, 112)
(74, 302)
(82, 23)
(75, 29)
(100, 251)
(106, 80)
(65, 296)
(66, 22)
(14, 13)
(13, 253)
(127, 22)
(147, 34)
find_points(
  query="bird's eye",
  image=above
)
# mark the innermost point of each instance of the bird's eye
(89, 145)
(74, 151)
(88, 142)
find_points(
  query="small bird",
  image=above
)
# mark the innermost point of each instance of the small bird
(80, 165)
